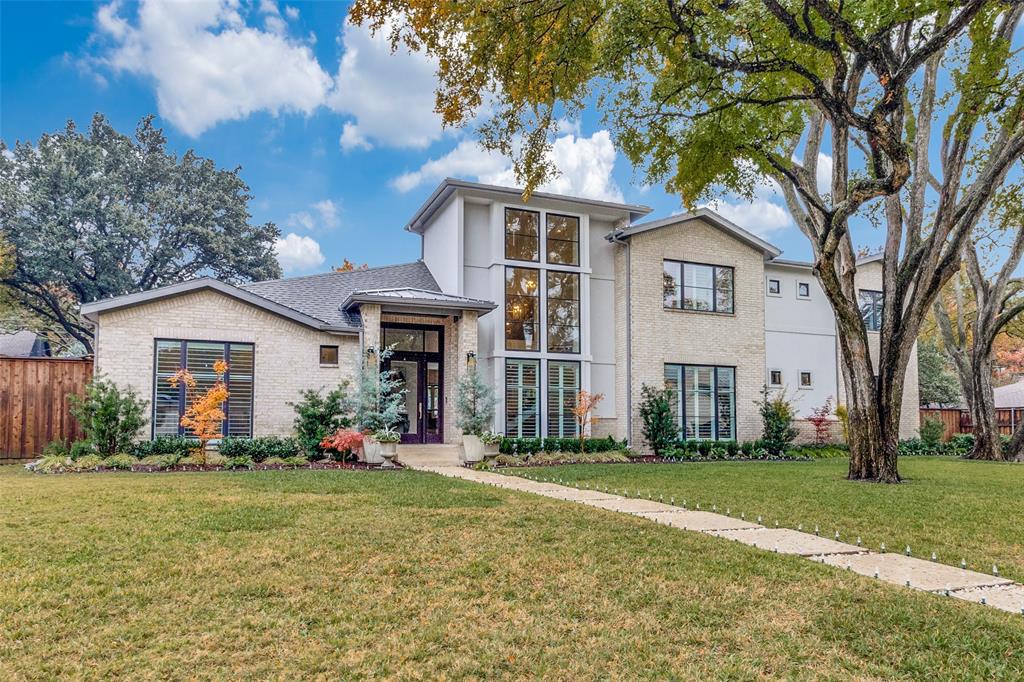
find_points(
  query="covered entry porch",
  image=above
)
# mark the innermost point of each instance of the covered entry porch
(432, 338)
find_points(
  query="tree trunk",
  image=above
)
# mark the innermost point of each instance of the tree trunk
(1015, 448)
(987, 443)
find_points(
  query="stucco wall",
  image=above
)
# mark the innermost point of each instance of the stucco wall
(661, 335)
(287, 355)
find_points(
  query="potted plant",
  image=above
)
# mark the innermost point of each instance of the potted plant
(387, 439)
(491, 442)
(474, 409)
(379, 401)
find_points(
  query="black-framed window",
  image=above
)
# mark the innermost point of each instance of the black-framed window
(329, 355)
(563, 387)
(522, 398)
(774, 287)
(803, 289)
(698, 286)
(806, 379)
(703, 399)
(522, 308)
(413, 340)
(563, 239)
(871, 308)
(198, 358)
(522, 235)
(775, 377)
(563, 300)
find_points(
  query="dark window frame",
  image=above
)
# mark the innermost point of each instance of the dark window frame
(775, 383)
(548, 238)
(714, 287)
(579, 310)
(547, 396)
(506, 234)
(337, 355)
(778, 290)
(877, 304)
(681, 434)
(540, 323)
(225, 425)
(799, 286)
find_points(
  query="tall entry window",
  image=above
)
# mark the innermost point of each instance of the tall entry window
(563, 299)
(522, 309)
(522, 403)
(695, 286)
(703, 399)
(198, 358)
(522, 235)
(563, 387)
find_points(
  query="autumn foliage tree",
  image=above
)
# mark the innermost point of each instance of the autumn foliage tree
(203, 412)
(583, 412)
(705, 97)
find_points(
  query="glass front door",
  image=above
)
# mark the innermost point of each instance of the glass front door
(418, 364)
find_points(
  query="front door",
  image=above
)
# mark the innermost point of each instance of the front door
(418, 363)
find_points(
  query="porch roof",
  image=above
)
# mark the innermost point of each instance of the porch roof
(405, 299)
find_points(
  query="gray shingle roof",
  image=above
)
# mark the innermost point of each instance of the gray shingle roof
(1011, 395)
(321, 296)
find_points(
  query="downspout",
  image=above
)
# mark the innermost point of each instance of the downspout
(616, 239)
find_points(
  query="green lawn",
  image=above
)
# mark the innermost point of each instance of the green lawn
(346, 575)
(956, 508)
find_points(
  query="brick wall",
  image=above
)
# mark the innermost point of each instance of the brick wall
(661, 335)
(287, 354)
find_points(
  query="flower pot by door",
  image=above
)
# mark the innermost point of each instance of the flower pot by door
(371, 451)
(387, 453)
(472, 449)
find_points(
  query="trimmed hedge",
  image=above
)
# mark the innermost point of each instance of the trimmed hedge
(712, 450)
(165, 445)
(259, 449)
(958, 446)
(521, 446)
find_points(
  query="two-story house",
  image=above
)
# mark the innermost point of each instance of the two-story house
(545, 298)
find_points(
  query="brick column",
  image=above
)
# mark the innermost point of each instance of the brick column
(370, 314)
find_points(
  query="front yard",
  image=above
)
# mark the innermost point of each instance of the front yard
(959, 509)
(405, 574)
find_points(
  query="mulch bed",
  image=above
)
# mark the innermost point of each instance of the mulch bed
(189, 468)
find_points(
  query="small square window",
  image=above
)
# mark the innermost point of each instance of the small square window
(806, 380)
(329, 355)
(774, 287)
(775, 377)
(803, 290)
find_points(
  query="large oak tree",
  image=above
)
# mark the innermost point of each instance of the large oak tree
(705, 96)
(102, 214)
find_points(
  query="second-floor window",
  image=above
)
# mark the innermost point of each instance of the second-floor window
(522, 235)
(563, 299)
(871, 308)
(563, 239)
(522, 309)
(695, 286)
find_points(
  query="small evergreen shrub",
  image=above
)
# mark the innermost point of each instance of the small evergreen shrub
(317, 416)
(55, 448)
(81, 448)
(239, 462)
(179, 446)
(777, 421)
(659, 424)
(932, 431)
(474, 404)
(297, 461)
(529, 446)
(259, 449)
(121, 460)
(110, 416)
(86, 463)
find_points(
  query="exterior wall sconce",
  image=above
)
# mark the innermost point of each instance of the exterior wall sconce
(371, 352)
(471, 359)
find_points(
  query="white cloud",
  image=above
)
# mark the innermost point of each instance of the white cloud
(389, 96)
(824, 178)
(585, 165)
(759, 216)
(291, 12)
(324, 214)
(329, 214)
(298, 254)
(209, 66)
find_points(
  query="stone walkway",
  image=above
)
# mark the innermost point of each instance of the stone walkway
(898, 569)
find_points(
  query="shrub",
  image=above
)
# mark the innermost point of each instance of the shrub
(239, 462)
(932, 431)
(204, 414)
(215, 459)
(962, 443)
(317, 416)
(81, 448)
(526, 446)
(583, 413)
(297, 461)
(659, 424)
(159, 461)
(380, 398)
(55, 448)
(820, 420)
(275, 461)
(109, 416)
(343, 441)
(121, 460)
(474, 404)
(179, 446)
(843, 415)
(259, 449)
(777, 420)
(86, 463)
(51, 464)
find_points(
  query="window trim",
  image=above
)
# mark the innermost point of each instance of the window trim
(881, 309)
(714, 287)
(547, 238)
(541, 323)
(181, 390)
(540, 242)
(782, 377)
(681, 434)
(768, 287)
(547, 394)
(337, 355)
(803, 283)
(539, 387)
(579, 311)
(800, 380)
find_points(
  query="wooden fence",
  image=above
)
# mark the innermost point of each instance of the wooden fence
(959, 421)
(34, 407)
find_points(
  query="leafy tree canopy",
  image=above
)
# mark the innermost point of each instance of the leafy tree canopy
(937, 382)
(102, 214)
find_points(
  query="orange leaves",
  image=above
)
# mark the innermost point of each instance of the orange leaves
(586, 403)
(203, 414)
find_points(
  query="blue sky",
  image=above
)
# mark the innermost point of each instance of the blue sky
(335, 135)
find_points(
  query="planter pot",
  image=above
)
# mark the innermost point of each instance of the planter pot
(472, 449)
(491, 450)
(387, 453)
(371, 451)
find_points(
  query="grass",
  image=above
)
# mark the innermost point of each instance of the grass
(956, 508)
(307, 574)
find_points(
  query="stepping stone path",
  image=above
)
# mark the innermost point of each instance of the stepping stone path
(898, 569)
